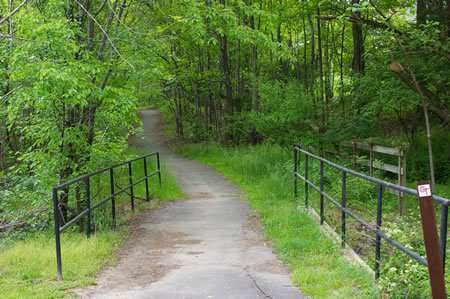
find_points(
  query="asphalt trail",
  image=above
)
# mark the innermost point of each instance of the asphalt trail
(205, 246)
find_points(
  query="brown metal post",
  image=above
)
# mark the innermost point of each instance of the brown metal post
(431, 239)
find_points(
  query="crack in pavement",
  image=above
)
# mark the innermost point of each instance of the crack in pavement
(256, 284)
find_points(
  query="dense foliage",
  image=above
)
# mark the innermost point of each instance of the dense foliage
(309, 72)
(73, 72)
(70, 77)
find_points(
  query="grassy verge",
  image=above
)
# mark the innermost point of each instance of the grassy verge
(315, 261)
(28, 266)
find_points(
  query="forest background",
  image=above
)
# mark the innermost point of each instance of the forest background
(74, 72)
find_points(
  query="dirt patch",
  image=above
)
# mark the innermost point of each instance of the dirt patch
(139, 257)
(253, 223)
(270, 266)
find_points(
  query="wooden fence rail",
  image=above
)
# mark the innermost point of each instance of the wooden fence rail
(363, 154)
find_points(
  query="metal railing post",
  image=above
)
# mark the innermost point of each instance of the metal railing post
(57, 233)
(147, 196)
(306, 178)
(344, 187)
(378, 238)
(159, 168)
(443, 234)
(113, 200)
(59, 228)
(88, 206)
(130, 174)
(295, 174)
(380, 186)
(321, 195)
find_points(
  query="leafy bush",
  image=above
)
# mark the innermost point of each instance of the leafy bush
(402, 275)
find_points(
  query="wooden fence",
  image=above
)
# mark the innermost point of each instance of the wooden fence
(362, 154)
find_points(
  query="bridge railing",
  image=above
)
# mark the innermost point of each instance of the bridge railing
(342, 206)
(58, 205)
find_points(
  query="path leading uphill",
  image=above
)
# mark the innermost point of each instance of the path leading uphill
(205, 246)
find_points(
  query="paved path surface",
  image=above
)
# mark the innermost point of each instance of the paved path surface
(206, 246)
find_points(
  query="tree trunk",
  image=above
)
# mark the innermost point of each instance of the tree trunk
(358, 64)
(254, 70)
(421, 12)
(319, 50)
(305, 67)
(341, 71)
(311, 66)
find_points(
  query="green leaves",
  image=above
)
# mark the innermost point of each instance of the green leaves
(70, 108)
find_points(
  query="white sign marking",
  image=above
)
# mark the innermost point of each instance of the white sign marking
(424, 190)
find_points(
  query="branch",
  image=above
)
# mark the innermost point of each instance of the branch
(9, 226)
(440, 110)
(9, 36)
(359, 21)
(10, 92)
(119, 16)
(14, 11)
(104, 32)
(100, 8)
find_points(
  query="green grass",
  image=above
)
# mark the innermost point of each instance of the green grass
(168, 190)
(28, 266)
(266, 172)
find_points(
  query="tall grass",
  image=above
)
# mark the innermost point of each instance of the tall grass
(266, 172)
(28, 267)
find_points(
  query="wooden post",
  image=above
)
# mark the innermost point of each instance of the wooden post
(371, 159)
(402, 181)
(355, 155)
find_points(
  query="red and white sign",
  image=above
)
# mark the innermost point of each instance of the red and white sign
(424, 190)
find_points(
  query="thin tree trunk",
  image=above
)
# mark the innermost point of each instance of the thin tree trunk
(311, 66)
(341, 71)
(319, 50)
(421, 96)
(305, 67)
(254, 70)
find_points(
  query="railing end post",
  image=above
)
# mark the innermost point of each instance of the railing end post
(88, 206)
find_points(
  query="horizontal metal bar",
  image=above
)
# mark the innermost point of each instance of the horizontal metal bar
(72, 221)
(100, 171)
(144, 178)
(68, 224)
(121, 191)
(412, 254)
(442, 200)
(101, 202)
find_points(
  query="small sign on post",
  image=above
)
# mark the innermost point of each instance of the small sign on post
(431, 239)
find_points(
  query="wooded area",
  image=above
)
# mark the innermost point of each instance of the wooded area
(278, 73)
(73, 73)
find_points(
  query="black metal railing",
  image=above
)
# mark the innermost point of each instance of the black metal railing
(113, 194)
(342, 206)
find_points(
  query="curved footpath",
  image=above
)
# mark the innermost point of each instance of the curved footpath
(206, 246)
